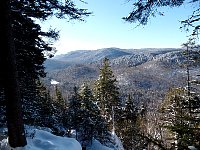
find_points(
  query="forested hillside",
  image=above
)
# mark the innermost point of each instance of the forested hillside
(144, 70)
(145, 78)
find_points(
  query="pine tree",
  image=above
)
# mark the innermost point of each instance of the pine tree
(192, 58)
(102, 132)
(60, 102)
(179, 120)
(91, 114)
(106, 92)
(46, 107)
(74, 113)
(59, 109)
(9, 79)
(30, 100)
(127, 127)
(59, 98)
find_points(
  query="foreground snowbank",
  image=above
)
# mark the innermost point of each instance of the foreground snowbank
(44, 140)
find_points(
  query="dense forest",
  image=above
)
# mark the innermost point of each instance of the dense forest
(99, 108)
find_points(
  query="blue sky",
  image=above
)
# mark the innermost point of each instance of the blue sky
(105, 28)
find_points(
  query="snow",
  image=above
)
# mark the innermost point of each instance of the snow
(96, 145)
(118, 144)
(192, 148)
(54, 82)
(43, 139)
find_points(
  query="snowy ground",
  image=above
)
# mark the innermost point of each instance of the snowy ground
(40, 139)
(98, 146)
(44, 140)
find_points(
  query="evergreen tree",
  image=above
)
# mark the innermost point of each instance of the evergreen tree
(91, 113)
(43, 110)
(46, 107)
(31, 101)
(181, 106)
(179, 120)
(73, 115)
(102, 132)
(106, 92)
(59, 109)
(192, 56)
(38, 106)
(86, 98)
(9, 79)
(127, 126)
(83, 115)
(59, 98)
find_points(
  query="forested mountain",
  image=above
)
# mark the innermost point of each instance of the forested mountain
(135, 90)
(138, 56)
(144, 70)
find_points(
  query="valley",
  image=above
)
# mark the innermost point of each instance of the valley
(147, 72)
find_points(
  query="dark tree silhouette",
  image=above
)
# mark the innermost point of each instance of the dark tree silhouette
(9, 79)
(143, 10)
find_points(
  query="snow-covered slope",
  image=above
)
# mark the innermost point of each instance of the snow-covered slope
(117, 56)
(43, 139)
(89, 56)
(98, 146)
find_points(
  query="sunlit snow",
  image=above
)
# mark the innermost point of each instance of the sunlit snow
(40, 139)
(54, 82)
(44, 140)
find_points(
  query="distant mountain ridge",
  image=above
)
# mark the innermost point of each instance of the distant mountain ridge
(88, 56)
(116, 55)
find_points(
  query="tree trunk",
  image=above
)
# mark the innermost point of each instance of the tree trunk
(9, 79)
